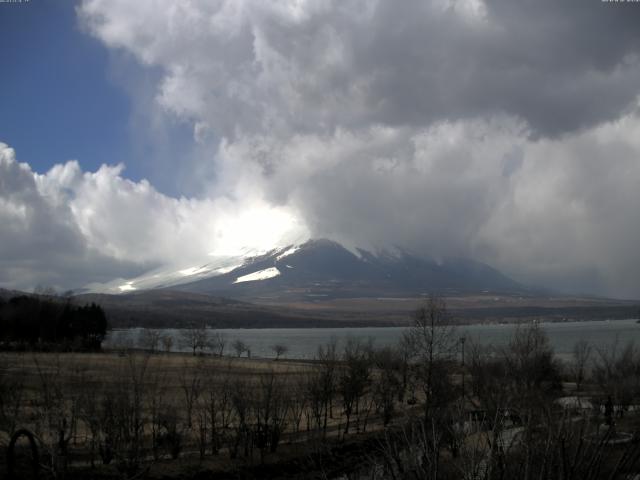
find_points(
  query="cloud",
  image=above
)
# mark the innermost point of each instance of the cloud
(560, 212)
(569, 216)
(309, 66)
(68, 228)
(39, 242)
(503, 131)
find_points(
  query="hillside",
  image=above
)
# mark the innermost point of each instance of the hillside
(322, 269)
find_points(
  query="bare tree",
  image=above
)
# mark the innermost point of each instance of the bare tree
(433, 342)
(489, 379)
(554, 450)
(298, 401)
(191, 386)
(617, 371)
(90, 411)
(279, 350)
(55, 411)
(156, 405)
(354, 377)
(325, 384)
(171, 434)
(270, 410)
(216, 402)
(581, 355)
(150, 340)
(241, 404)
(534, 370)
(11, 397)
(315, 392)
(195, 338)
(239, 347)
(125, 411)
(407, 452)
(167, 343)
(387, 381)
(217, 343)
(516, 387)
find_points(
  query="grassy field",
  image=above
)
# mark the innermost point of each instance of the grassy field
(134, 414)
(171, 309)
(175, 412)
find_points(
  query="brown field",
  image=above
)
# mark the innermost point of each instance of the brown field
(466, 308)
(171, 309)
(413, 409)
(172, 393)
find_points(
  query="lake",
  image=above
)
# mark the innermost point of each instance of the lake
(304, 342)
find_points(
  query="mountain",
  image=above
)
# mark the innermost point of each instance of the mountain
(322, 284)
(323, 269)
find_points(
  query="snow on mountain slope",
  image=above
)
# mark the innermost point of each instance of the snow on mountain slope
(166, 277)
(259, 275)
(289, 251)
(321, 268)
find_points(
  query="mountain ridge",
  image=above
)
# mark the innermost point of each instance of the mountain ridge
(323, 268)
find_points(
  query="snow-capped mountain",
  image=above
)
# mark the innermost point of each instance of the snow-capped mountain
(294, 286)
(322, 269)
(325, 269)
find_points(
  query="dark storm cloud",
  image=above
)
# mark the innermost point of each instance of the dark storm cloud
(558, 65)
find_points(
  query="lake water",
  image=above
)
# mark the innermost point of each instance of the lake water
(304, 342)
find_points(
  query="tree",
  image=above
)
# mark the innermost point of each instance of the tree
(239, 347)
(191, 386)
(216, 402)
(489, 379)
(124, 406)
(326, 382)
(279, 350)
(387, 382)
(240, 399)
(12, 393)
(157, 404)
(354, 377)
(167, 343)
(521, 380)
(617, 371)
(217, 343)
(534, 371)
(270, 408)
(49, 320)
(433, 342)
(55, 411)
(195, 338)
(298, 400)
(581, 355)
(150, 340)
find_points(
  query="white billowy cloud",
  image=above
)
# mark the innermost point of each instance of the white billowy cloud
(68, 228)
(499, 130)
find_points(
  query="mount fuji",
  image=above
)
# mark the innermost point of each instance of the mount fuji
(323, 283)
(324, 269)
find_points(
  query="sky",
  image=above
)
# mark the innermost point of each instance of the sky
(149, 134)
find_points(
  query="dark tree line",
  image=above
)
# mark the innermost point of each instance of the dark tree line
(38, 322)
